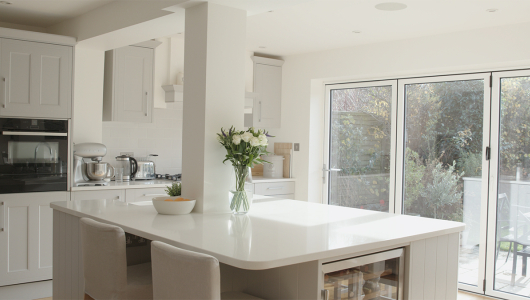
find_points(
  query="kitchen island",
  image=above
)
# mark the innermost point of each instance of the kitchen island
(278, 249)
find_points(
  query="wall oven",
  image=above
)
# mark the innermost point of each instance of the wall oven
(33, 155)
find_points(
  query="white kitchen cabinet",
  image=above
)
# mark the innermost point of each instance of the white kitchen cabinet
(99, 194)
(36, 79)
(266, 111)
(128, 86)
(137, 195)
(274, 188)
(26, 227)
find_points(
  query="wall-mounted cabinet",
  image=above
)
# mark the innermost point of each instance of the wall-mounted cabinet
(36, 79)
(128, 87)
(266, 111)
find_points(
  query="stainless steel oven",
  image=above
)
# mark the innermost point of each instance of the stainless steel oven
(33, 155)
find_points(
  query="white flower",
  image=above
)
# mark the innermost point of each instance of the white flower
(247, 136)
(263, 140)
(254, 142)
(236, 139)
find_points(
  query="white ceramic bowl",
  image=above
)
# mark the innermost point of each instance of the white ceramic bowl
(173, 207)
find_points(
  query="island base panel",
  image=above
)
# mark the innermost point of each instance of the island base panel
(431, 269)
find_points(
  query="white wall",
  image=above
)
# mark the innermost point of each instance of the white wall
(162, 137)
(304, 77)
(88, 95)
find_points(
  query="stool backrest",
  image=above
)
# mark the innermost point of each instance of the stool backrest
(104, 259)
(183, 274)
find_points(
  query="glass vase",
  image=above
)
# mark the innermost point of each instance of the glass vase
(239, 196)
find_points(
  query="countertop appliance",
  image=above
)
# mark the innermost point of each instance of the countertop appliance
(129, 165)
(146, 168)
(34, 155)
(92, 173)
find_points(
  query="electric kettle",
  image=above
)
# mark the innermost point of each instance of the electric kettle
(129, 165)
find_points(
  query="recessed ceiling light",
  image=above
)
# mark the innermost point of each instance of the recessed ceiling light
(391, 6)
(356, 31)
(262, 47)
(5, 2)
(271, 10)
(491, 10)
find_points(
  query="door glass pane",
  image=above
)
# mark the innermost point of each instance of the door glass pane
(443, 160)
(513, 199)
(360, 147)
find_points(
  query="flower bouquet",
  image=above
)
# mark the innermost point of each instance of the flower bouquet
(244, 150)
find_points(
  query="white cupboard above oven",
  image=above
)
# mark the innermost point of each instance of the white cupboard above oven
(128, 86)
(35, 79)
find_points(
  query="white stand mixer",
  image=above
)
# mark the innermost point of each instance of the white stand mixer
(92, 173)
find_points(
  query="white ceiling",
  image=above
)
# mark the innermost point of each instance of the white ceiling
(44, 13)
(299, 26)
(328, 24)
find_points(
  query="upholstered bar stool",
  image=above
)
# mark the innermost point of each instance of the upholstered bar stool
(105, 264)
(181, 274)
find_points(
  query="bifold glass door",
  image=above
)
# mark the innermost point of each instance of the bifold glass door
(509, 214)
(442, 168)
(360, 166)
(448, 147)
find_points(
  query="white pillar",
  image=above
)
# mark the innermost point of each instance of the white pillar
(214, 92)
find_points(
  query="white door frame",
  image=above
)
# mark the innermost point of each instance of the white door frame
(493, 190)
(327, 128)
(485, 163)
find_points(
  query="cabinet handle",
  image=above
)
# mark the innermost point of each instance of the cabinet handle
(3, 216)
(146, 104)
(5, 93)
(155, 195)
(260, 111)
(276, 188)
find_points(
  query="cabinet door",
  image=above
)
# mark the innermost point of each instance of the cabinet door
(133, 84)
(36, 79)
(26, 239)
(268, 87)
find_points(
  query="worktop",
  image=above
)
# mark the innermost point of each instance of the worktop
(135, 184)
(282, 232)
(155, 183)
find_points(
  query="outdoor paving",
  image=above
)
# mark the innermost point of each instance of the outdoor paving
(469, 265)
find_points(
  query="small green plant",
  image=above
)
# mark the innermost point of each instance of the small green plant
(174, 190)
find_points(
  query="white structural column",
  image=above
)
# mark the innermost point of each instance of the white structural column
(214, 60)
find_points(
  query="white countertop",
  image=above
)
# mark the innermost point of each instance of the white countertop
(272, 234)
(144, 184)
(136, 184)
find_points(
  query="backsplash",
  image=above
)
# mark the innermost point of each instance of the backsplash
(162, 137)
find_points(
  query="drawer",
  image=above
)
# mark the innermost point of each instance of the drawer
(136, 195)
(276, 198)
(274, 188)
(101, 194)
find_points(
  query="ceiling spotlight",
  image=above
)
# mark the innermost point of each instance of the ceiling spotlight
(391, 6)
(5, 3)
(356, 31)
(491, 10)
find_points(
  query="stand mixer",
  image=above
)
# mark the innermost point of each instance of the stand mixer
(92, 173)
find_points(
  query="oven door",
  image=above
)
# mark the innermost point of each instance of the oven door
(33, 161)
